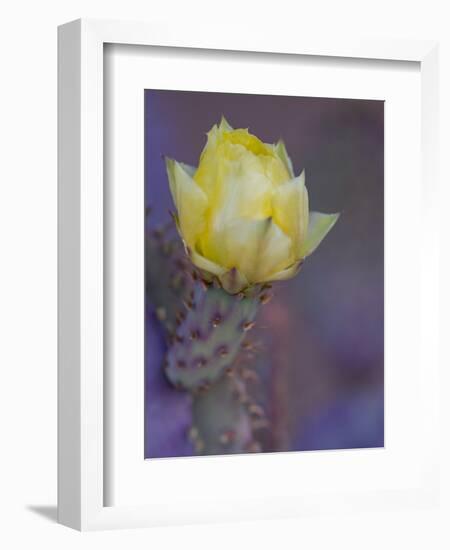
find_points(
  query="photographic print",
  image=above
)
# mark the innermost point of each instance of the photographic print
(264, 273)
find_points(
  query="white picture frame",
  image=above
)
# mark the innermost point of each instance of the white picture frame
(81, 408)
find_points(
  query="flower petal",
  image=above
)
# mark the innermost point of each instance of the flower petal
(204, 264)
(190, 170)
(240, 190)
(291, 210)
(240, 242)
(190, 201)
(245, 190)
(285, 274)
(280, 150)
(275, 253)
(256, 248)
(319, 225)
(233, 281)
(224, 126)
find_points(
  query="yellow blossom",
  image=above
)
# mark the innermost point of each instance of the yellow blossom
(242, 214)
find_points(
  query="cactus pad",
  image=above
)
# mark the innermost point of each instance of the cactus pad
(166, 271)
(222, 423)
(211, 331)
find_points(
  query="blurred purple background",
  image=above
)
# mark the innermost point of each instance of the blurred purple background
(324, 330)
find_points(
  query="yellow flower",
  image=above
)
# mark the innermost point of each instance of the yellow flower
(242, 214)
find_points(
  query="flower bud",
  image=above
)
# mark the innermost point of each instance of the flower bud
(242, 212)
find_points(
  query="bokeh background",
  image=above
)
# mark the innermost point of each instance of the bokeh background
(323, 333)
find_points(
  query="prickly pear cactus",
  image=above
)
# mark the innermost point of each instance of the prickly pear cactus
(210, 353)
